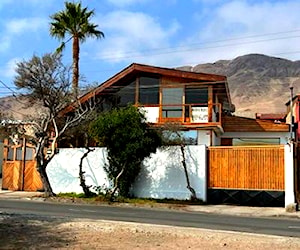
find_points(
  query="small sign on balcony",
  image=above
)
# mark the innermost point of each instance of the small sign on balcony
(200, 114)
(151, 113)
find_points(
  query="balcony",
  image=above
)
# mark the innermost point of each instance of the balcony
(188, 115)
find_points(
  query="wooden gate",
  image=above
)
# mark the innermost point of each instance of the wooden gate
(251, 168)
(19, 167)
(257, 168)
(251, 176)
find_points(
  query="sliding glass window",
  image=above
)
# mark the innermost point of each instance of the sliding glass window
(172, 102)
(125, 95)
(148, 90)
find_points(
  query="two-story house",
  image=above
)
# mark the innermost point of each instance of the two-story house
(197, 103)
(200, 105)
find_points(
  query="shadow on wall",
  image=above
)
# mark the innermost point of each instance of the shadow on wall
(162, 175)
(63, 170)
(92, 166)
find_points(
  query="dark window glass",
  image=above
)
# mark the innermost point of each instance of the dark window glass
(255, 141)
(196, 95)
(29, 154)
(10, 154)
(125, 95)
(149, 90)
(19, 154)
(172, 96)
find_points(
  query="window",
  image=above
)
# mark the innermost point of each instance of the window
(19, 154)
(10, 154)
(148, 90)
(172, 96)
(126, 95)
(29, 154)
(196, 95)
(255, 141)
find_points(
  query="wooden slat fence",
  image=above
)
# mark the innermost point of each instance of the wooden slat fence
(251, 168)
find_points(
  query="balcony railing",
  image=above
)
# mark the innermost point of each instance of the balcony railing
(186, 114)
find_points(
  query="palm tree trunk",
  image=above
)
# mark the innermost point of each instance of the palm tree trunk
(75, 66)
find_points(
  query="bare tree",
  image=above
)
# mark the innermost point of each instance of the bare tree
(47, 81)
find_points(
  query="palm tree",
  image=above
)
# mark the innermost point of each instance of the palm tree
(74, 21)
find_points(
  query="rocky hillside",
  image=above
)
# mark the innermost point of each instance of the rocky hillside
(13, 108)
(257, 83)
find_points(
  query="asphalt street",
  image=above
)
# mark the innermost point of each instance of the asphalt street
(271, 226)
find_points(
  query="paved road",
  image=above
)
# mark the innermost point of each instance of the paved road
(272, 226)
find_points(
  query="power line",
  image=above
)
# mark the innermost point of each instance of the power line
(190, 47)
(217, 41)
(195, 49)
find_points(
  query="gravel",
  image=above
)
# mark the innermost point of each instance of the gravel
(25, 231)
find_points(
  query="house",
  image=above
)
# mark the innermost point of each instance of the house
(199, 104)
(244, 160)
(235, 159)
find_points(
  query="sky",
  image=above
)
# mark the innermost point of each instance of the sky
(168, 33)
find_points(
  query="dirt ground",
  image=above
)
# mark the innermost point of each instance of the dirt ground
(40, 232)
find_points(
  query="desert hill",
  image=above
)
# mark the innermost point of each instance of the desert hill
(257, 83)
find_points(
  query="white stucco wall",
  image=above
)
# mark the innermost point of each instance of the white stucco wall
(216, 140)
(289, 198)
(63, 170)
(162, 175)
(284, 136)
(204, 137)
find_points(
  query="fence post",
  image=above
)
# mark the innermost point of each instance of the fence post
(289, 202)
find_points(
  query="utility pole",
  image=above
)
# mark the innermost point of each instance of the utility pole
(292, 116)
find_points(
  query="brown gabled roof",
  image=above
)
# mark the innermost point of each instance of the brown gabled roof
(135, 68)
(243, 124)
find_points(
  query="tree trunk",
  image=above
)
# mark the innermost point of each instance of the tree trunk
(41, 166)
(193, 193)
(85, 188)
(75, 66)
(116, 182)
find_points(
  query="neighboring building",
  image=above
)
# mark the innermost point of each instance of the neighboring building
(296, 117)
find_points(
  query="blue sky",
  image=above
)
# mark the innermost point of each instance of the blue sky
(167, 33)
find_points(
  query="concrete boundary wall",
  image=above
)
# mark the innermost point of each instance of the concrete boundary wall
(162, 174)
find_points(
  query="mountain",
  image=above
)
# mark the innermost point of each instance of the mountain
(257, 83)
(19, 108)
